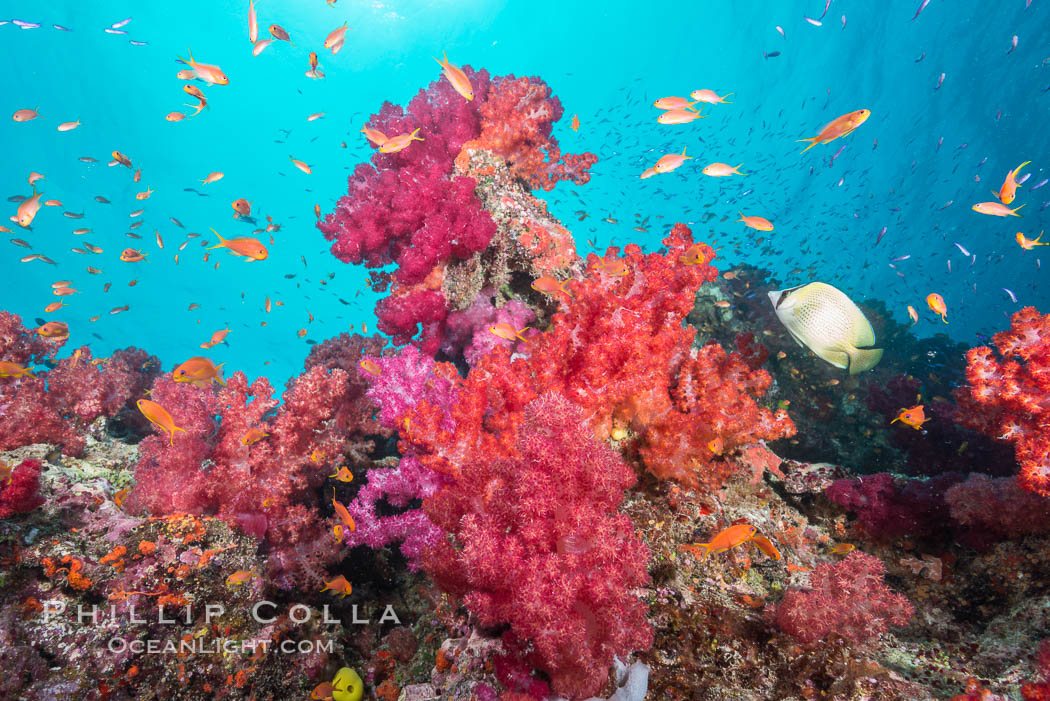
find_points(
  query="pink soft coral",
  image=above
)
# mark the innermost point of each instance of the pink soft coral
(848, 598)
(268, 488)
(537, 544)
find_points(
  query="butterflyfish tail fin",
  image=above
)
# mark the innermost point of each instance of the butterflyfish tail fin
(861, 359)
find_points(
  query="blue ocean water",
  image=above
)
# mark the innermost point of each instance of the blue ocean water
(607, 62)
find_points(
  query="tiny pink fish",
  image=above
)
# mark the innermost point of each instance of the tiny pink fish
(781, 30)
(881, 234)
(843, 21)
(940, 82)
(1013, 45)
(919, 11)
(826, 6)
(1024, 178)
(115, 31)
(1039, 184)
(814, 22)
(897, 260)
(948, 204)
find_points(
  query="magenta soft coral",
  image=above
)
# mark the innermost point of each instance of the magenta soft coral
(539, 546)
(848, 598)
(20, 492)
(1007, 395)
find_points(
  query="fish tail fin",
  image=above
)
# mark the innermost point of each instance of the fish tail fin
(737, 169)
(1014, 211)
(441, 61)
(414, 133)
(218, 377)
(683, 149)
(944, 318)
(814, 143)
(1018, 168)
(723, 99)
(221, 243)
(861, 359)
(741, 215)
(706, 547)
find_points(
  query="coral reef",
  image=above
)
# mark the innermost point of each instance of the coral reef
(538, 546)
(1006, 397)
(20, 491)
(847, 598)
(58, 406)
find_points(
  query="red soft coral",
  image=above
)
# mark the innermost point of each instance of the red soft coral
(516, 123)
(20, 493)
(847, 597)
(621, 352)
(1009, 394)
(537, 544)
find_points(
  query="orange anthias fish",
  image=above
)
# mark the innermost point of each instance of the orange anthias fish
(278, 33)
(301, 166)
(399, 143)
(766, 546)
(322, 692)
(335, 39)
(10, 369)
(343, 474)
(343, 515)
(936, 304)
(914, 417)
(210, 74)
(250, 248)
(253, 23)
(457, 77)
(240, 577)
(840, 126)
(506, 331)
(694, 255)
(241, 208)
(253, 436)
(374, 135)
(1027, 243)
(159, 416)
(131, 255)
(673, 103)
(842, 549)
(1009, 189)
(216, 338)
(212, 177)
(25, 115)
(913, 315)
(369, 366)
(53, 329)
(726, 539)
(199, 372)
(27, 210)
(338, 586)
(710, 97)
(615, 267)
(551, 286)
(144, 195)
(679, 117)
(995, 209)
(757, 223)
(716, 445)
(670, 161)
(721, 170)
(575, 123)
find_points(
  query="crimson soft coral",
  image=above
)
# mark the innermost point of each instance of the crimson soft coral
(1007, 395)
(848, 598)
(539, 546)
(20, 492)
